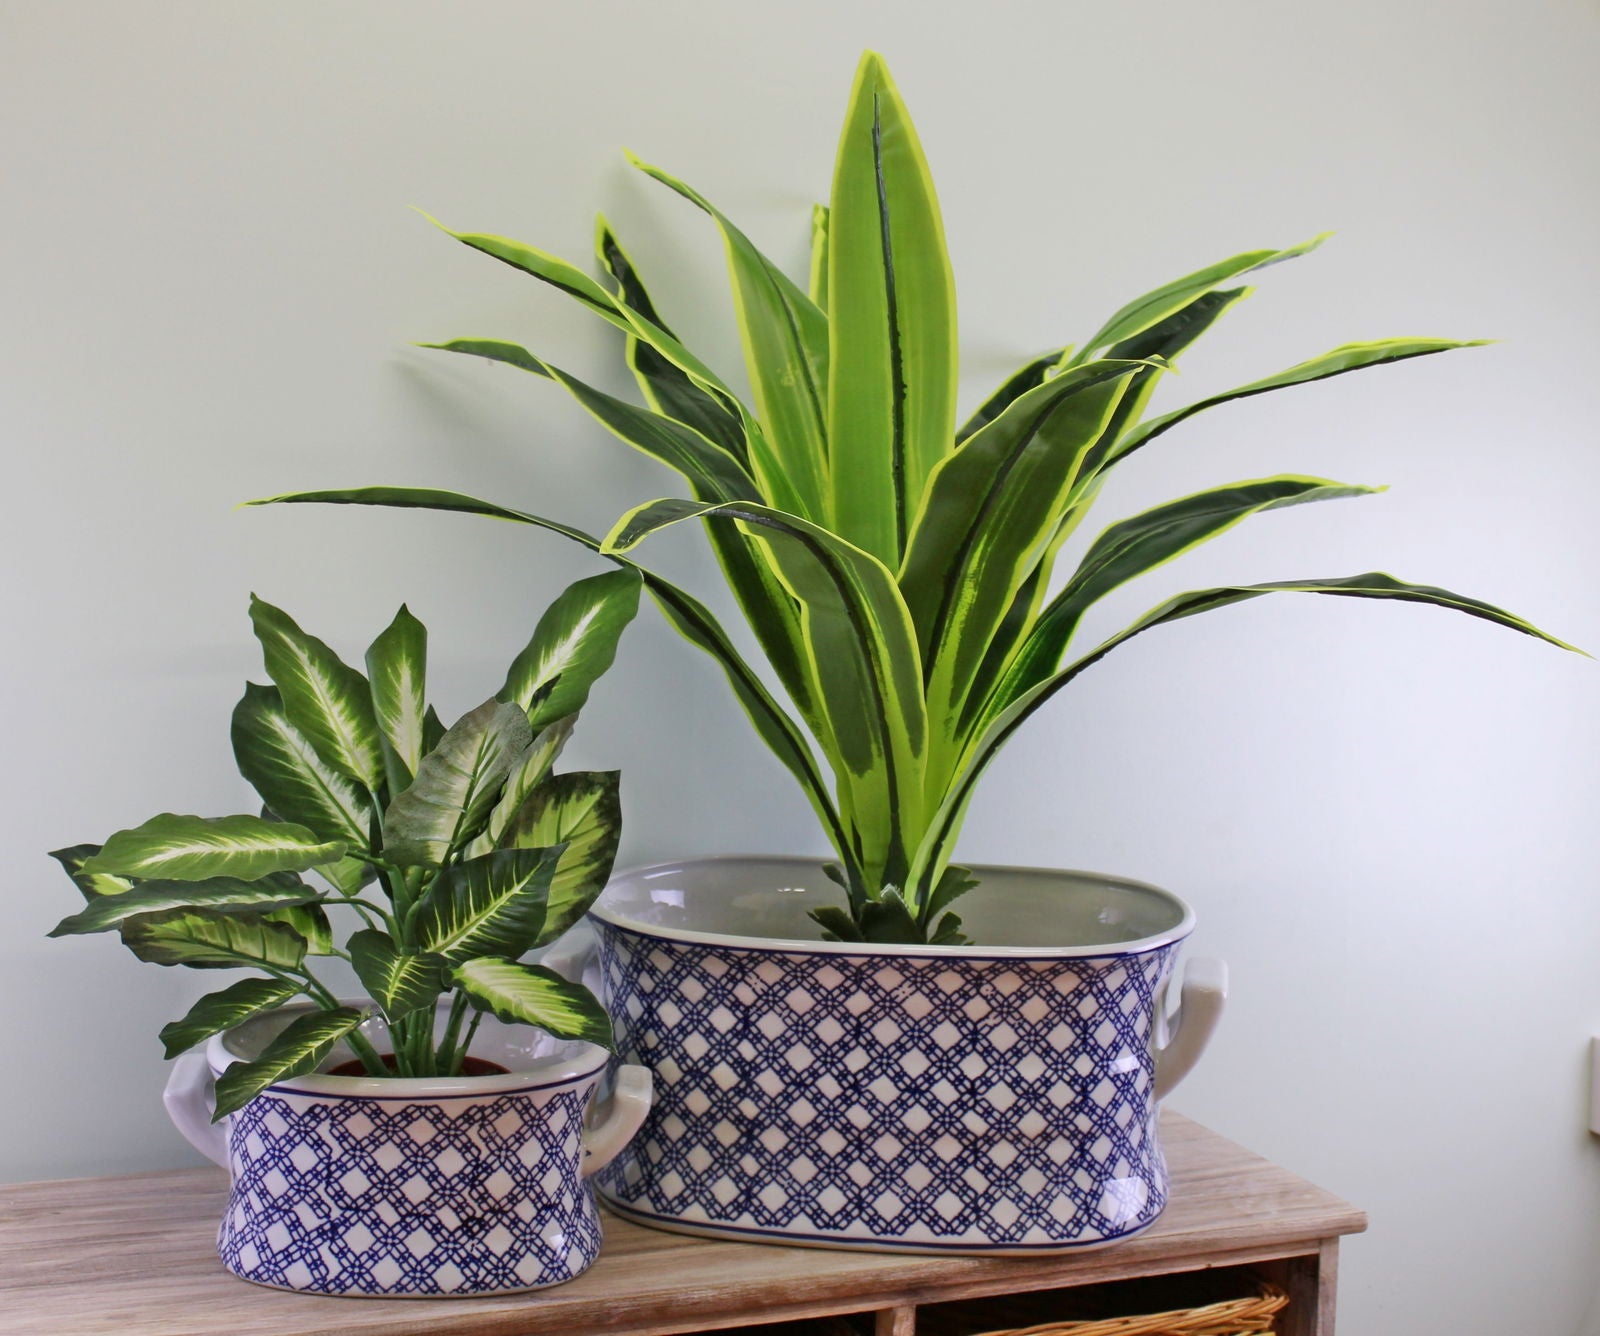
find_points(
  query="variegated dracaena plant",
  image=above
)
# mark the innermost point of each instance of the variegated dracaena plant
(896, 563)
(479, 852)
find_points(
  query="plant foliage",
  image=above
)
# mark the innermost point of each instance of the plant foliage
(478, 853)
(897, 564)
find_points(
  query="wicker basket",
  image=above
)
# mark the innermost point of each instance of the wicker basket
(1231, 1317)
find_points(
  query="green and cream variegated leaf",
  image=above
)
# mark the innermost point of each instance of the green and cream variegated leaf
(667, 388)
(194, 848)
(1133, 546)
(582, 811)
(489, 906)
(533, 995)
(304, 1044)
(572, 646)
(1154, 307)
(309, 922)
(456, 786)
(1345, 358)
(946, 822)
(210, 939)
(891, 322)
(687, 615)
(1027, 377)
(817, 289)
(91, 885)
(710, 468)
(863, 659)
(785, 339)
(400, 982)
(397, 671)
(220, 894)
(326, 699)
(224, 1009)
(291, 776)
(991, 508)
(531, 770)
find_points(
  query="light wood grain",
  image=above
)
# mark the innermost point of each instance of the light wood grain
(135, 1255)
(896, 1322)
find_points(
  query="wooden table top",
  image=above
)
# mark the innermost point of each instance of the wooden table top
(136, 1255)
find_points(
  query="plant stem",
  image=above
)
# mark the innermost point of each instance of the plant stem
(452, 1030)
(461, 1053)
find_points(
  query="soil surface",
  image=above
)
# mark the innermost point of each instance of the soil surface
(470, 1066)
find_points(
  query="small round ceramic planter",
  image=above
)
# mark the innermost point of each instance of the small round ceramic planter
(412, 1188)
(997, 1098)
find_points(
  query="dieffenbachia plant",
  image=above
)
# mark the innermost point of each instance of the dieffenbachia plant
(896, 562)
(478, 852)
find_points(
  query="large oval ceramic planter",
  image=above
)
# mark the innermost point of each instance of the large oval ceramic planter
(411, 1188)
(993, 1098)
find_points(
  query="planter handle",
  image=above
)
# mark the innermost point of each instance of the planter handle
(1205, 990)
(624, 1113)
(191, 1098)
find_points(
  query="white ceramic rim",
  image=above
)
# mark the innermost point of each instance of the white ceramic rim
(798, 945)
(542, 1074)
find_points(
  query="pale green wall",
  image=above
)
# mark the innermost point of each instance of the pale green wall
(1384, 815)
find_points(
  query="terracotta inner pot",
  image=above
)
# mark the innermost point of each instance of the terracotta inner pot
(470, 1066)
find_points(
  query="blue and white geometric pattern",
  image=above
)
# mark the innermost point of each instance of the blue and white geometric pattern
(962, 1104)
(410, 1197)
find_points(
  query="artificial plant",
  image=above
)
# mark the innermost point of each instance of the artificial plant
(896, 562)
(478, 852)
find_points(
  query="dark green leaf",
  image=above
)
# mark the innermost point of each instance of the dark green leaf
(400, 982)
(302, 1047)
(224, 1009)
(456, 786)
(581, 810)
(489, 906)
(291, 776)
(572, 646)
(326, 699)
(92, 885)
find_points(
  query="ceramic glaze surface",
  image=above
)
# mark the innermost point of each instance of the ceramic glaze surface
(983, 1099)
(413, 1188)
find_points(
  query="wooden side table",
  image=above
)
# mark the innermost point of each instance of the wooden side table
(135, 1256)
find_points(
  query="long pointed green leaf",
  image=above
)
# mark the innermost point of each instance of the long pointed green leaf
(864, 661)
(302, 1047)
(1027, 377)
(1345, 358)
(817, 289)
(687, 615)
(1140, 544)
(942, 830)
(533, 995)
(705, 465)
(891, 318)
(557, 272)
(224, 1009)
(400, 982)
(193, 848)
(489, 906)
(990, 509)
(456, 786)
(91, 885)
(397, 668)
(289, 774)
(210, 940)
(785, 339)
(326, 699)
(582, 811)
(666, 387)
(220, 894)
(573, 644)
(1154, 307)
